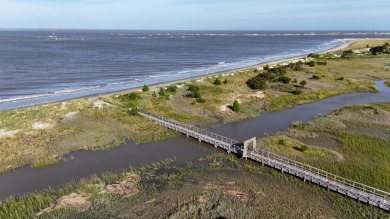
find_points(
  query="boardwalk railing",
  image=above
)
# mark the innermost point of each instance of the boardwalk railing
(328, 180)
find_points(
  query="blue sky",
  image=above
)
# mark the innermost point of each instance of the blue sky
(197, 14)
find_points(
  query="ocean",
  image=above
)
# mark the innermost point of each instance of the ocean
(42, 66)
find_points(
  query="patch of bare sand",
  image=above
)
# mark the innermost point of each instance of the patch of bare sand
(100, 104)
(126, 188)
(70, 116)
(79, 202)
(259, 94)
(230, 189)
(7, 134)
(42, 125)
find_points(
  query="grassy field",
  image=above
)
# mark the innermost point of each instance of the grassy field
(353, 142)
(212, 187)
(41, 135)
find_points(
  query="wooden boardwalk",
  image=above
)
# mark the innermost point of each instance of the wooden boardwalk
(306, 172)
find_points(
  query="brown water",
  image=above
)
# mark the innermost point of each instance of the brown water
(87, 163)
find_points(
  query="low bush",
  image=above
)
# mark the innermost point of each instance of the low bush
(315, 77)
(284, 79)
(297, 92)
(145, 88)
(217, 82)
(172, 89)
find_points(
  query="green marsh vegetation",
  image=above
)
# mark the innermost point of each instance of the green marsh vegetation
(214, 186)
(352, 142)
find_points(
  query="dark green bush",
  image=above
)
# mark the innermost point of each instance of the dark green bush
(217, 82)
(236, 106)
(322, 63)
(145, 88)
(133, 96)
(284, 79)
(347, 54)
(313, 55)
(303, 83)
(297, 92)
(225, 81)
(172, 88)
(311, 63)
(193, 88)
(257, 83)
(315, 77)
(162, 92)
(201, 100)
(340, 78)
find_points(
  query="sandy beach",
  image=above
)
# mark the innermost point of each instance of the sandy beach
(165, 84)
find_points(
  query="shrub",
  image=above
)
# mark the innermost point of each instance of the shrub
(311, 63)
(197, 94)
(296, 66)
(284, 79)
(281, 70)
(217, 82)
(257, 83)
(145, 88)
(162, 92)
(133, 96)
(379, 49)
(266, 67)
(315, 77)
(303, 83)
(193, 88)
(295, 80)
(297, 92)
(172, 88)
(236, 106)
(304, 148)
(313, 55)
(347, 54)
(133, 111)
(387, 83)
(340, 78)
(201, 100)
(322, 63)
(225, 81)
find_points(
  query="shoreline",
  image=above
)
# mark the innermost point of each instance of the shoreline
(171, 82)
(164, 84)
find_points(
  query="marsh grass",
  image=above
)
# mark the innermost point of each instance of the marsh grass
(198, 189)
(360, 152)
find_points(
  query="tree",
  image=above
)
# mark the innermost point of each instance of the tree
(217, 82)
(236, 106)
(145, 88)
(303, 83)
